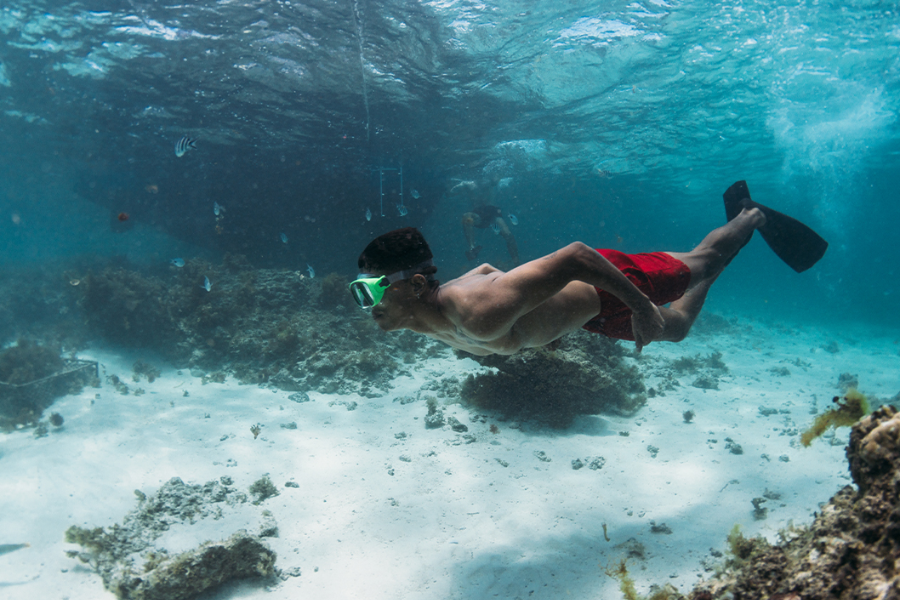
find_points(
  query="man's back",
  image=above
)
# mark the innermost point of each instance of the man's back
(488, 312)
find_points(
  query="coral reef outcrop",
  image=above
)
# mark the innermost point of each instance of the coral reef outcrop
(852, 548)
(273, 327)
(39, 302)
(32, 376)
(585, 374)
(134, 566)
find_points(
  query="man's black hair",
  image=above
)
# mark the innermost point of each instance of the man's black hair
(398, 250)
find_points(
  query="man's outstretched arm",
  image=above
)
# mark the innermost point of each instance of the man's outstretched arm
(492, 309)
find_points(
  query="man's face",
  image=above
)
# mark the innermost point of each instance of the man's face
(393, 311)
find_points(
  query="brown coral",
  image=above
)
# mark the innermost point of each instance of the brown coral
(585, 375)
(850, 551)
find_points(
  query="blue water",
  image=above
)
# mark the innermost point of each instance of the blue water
(619, 124)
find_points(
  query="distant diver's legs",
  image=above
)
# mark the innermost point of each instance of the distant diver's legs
(511, 246)
(468, 222)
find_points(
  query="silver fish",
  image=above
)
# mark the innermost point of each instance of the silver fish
(283, 237)
(495, 228)
(218, 209)
(183, 145)
(402, 210)
(513, 219)
(312, 272)
(414, 194)
(206, 284)
(6, 548)
(368, 215)
(178, 262)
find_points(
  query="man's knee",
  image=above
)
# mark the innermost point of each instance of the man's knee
(678, 325)
(678, 333)
(583, 254)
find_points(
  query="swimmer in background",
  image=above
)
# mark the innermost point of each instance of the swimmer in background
(484, 214)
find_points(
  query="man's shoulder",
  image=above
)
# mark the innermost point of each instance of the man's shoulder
(471, 287)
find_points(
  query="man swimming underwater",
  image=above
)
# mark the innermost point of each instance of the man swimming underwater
(488, 311)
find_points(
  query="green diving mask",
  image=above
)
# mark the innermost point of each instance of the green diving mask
(368, 290)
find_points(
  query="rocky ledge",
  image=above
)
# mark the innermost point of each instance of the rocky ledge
(851, 551)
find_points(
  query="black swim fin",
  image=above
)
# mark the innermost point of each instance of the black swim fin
(794, 243)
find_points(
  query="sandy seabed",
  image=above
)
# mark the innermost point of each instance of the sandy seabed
(386, 508)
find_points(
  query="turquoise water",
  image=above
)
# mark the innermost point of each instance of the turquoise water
(616, 123)
(619, 124)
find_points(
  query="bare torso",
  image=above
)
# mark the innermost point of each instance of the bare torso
(466, 302)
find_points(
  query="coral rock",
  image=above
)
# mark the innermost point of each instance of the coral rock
(850, 551)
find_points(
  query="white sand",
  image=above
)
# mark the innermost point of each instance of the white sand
(452, 521)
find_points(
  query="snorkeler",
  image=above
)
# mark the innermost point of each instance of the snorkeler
(488, 311)
(483, 215)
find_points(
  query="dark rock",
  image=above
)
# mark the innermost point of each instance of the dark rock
(706, 382)
(542, 456)
(456, 426)
(846, 381)
(189, 574)
(660, 528)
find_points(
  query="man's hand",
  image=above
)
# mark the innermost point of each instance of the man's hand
(647, 325)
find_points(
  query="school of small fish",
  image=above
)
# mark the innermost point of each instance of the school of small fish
(206, 284)
(183, 145)
(312, 272)
(178, 262)
(513, 219)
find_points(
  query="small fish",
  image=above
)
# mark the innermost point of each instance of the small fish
(402, 210)
(414, 194)
(218, 209)
(206, 284)
(6, 548)
(178, 262)
(312, 272)
(183, 145)
(495, 228)
(122, 216)
(513, 219)
(283, 238)
(368, 215)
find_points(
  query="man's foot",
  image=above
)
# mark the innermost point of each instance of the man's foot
(472, 253)
(794, 243)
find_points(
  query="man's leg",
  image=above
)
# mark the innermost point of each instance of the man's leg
(706, 263)
(720, 246)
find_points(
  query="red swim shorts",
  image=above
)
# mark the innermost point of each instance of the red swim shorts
(661, 277)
